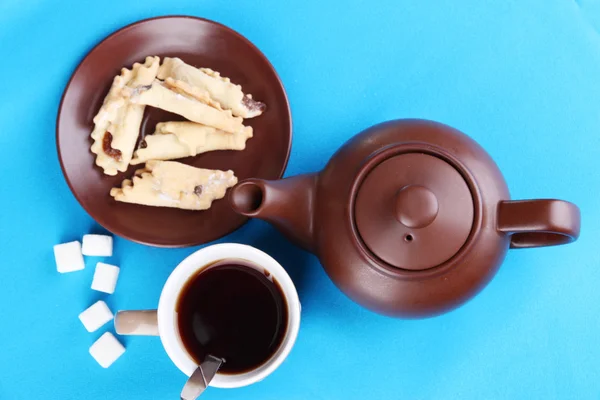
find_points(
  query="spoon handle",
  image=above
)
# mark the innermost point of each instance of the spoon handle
(200, 379)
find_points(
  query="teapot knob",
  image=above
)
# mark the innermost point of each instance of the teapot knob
(416, 206)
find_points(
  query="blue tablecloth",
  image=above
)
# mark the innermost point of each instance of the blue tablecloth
(521, 77)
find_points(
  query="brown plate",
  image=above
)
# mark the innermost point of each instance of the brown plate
(198, 42)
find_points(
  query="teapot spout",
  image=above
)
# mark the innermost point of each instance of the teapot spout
(287, 204)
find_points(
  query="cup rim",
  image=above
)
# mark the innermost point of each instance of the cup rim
(200, 259)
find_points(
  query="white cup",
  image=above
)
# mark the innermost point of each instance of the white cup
(163, 321)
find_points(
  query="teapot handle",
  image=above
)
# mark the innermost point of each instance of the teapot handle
(539, 223)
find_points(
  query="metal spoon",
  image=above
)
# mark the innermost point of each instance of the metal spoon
(198, 382)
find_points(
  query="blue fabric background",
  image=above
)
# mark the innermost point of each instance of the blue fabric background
(521, 77)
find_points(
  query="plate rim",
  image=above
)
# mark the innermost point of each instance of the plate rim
(120, 31)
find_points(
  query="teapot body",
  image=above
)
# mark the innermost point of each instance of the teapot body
(369, 280)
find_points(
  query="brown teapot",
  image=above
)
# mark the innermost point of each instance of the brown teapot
(409, 218)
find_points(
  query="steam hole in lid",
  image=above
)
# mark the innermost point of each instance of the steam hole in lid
(247, 197)
(408, 238)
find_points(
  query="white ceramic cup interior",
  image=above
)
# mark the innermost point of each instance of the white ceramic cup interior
(167, 316)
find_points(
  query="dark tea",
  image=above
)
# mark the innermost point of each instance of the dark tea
(233, 311)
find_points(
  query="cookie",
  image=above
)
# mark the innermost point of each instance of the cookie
(173, 140)
(117, 124)
(230, 96)
(176, 185)
(192, 104)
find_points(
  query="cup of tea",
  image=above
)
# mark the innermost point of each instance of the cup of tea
(228, 300)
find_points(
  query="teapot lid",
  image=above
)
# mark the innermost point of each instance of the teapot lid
(414, 211)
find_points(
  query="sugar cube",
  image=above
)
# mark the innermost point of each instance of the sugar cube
(106, 350)
(68, 257)
(105, 278)
(97, 245)
(95, 316)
